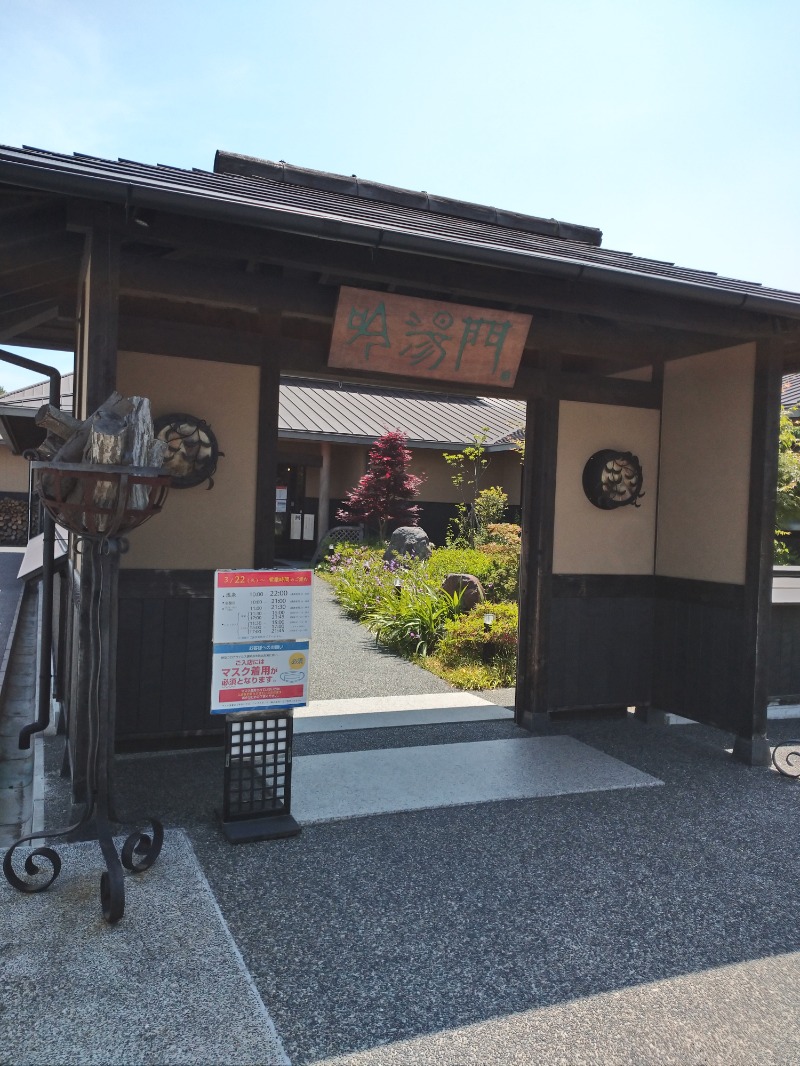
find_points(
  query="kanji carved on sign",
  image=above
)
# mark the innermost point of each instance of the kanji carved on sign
(409, 337)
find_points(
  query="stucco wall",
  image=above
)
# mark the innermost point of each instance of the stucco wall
(348, 465)
(200, 529)
(705, 465)
(13, 471)
(587, 539)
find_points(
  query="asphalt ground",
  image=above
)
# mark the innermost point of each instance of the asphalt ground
(645, 925)
(652, 925)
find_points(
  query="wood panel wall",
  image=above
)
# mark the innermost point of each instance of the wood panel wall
(164, 660)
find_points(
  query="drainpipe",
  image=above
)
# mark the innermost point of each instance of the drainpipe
(48, 556)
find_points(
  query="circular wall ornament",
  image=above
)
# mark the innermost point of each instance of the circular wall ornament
(612, 479)
(192, 449)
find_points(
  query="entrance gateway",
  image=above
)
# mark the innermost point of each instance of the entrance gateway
(200, 289)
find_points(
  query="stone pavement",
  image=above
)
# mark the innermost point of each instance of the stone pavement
(20, 787)
(628, 925)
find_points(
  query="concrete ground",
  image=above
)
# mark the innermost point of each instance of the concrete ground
(630, 925)
(20, 788)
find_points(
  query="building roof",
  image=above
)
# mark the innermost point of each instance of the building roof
(316, 410)
(333, 411)
(260, 193)
(790, 391)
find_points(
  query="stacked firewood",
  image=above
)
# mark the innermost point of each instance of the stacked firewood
(13, 521)
(119, 433)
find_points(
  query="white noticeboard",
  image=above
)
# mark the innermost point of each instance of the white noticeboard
(248, 677)
(261, 634)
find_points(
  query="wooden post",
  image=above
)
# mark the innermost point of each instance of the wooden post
(536, 558)
(324, 505)
(751, 745)
(98, 369)
(267, 448)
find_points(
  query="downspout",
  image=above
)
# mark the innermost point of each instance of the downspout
(48, 556)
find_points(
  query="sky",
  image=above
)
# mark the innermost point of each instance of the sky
(671, 126)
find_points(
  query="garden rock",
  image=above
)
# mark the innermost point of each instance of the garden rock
(471, 586)
(409, 540)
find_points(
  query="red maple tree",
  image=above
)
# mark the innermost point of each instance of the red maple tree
(385, 492)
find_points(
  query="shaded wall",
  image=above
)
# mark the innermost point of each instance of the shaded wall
(602, 610)
(200, 529)
(699, 635)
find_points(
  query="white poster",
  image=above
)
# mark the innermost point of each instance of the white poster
(261, 605)
(250, 677)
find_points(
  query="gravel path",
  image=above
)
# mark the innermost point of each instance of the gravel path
(347, 663)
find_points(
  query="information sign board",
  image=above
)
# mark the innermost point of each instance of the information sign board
(256, 676)
(261, 633)
(261, 605)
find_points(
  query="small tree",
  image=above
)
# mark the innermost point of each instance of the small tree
(385, 492)
(468, 466)
(787, 504)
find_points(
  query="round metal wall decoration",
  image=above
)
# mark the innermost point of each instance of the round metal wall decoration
(192, 449)
(612, 479)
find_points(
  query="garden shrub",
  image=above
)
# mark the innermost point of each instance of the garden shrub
(358, 576)
(444, 561)
(490, 507)
(502, 548)
(410, 622)
(465, 642)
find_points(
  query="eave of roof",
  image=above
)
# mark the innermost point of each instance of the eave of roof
(336, 216)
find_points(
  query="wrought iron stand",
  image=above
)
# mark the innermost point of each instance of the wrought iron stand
(130, 496)
(786, 758)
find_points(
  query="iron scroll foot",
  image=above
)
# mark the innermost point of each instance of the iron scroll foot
(139, 851)
(786, 758)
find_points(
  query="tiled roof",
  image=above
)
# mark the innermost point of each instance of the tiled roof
(790, 391)
(314, 410)
(293, 207)
(329, 411)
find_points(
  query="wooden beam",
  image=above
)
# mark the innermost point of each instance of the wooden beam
(44, 255)
(11, 326)
(307, 356)
(159, 337)
(619, 299)
(224, 287)
(47, 223)
(101, 315)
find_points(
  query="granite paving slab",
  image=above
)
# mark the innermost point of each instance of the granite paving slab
(385, 712)
(357, 783)
(166, 985)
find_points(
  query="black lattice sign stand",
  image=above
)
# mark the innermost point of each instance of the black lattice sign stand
(258, 777)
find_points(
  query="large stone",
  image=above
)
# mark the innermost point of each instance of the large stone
(409, 540)
(471, 586)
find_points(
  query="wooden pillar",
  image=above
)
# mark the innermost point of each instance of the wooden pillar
(536, 558)
(96, 378)
(751, 744)
(324, 505)
(267, 448)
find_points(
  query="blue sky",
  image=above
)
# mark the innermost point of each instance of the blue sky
(673, 127)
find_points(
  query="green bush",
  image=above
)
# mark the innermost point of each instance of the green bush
(490, 506)
(444, 561)
(466, 642)
(412, 620)
(358, 576)
(502, 549)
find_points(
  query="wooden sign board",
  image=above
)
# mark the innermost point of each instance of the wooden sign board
(426, 339)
